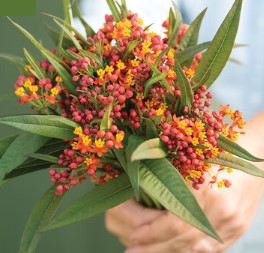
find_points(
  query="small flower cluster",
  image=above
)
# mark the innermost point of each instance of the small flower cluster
(125, 74)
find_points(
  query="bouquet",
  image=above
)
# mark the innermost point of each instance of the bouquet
(128, 110)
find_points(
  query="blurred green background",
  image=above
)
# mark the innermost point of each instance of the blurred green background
(18, 197)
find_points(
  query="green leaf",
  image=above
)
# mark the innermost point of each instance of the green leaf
(67, 11)
(5, 143)
(39, 71)
(121, 157)
(217, 54)
(35, 42)
(190, 38)
(44, 157)
(64, 74)
(237, 163)
(150, 149)
(130, 46)
(154, 79)
(158, 59)
(235, 149)
(133, 166)
(55, 37)
(96, 57)
(106, 122)
(114, 10)
(42, 213)
(175, 20)
(45, 125)
(186, 97)
(162, 181)
(68, 32)
(100, 199)
(18, 61)
(190, 52)
(15, 154)
(123, 8)
(151, 129)
(67, 28)
(88, 29)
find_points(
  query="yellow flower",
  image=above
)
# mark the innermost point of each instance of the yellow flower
(78, 131)
(120, 65)
(20, 92)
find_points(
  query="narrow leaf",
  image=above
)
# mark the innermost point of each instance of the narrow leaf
(176, 20)
(150, 149)
(121, 157)
(237, 163)
(64, 74)
(131, 45)
(88, 29)
(162, 181)
(44, 125)
(186, 97)
(190, 38)
(153, 80)
(133, 166)
(43, 157)
(114, 10)
(67, 11)
(39, 71)
(5, 143)
(235, 149)
(42, 213)
(190, 52)
(151, 129)
(217, 54)
(106, 122)
(100, 199)
(18, 149)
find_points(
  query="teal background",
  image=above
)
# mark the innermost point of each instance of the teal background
(18, 197)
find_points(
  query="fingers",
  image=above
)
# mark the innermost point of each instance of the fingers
(123, 219)
(164, 228)
(179, 244)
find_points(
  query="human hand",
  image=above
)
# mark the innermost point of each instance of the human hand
(145, 230)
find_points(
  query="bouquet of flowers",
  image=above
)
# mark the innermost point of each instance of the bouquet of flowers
(129, 110)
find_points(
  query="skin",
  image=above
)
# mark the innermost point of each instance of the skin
(145, 230)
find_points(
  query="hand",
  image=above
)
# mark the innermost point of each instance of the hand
(145, 230)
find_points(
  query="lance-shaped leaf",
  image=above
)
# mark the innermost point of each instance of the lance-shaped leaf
(44, 125)
(54, 147)
(154, 79)
(133, 166)
(64, 74)
(88, 29)
(43, 157)
(67, 9)
(162, 181)
(98, 200)
(68, 32)
(18, 61)
(151, 129)
(190, 38)
(106, 122)
(188, 53)
(5, 143)
(157, 73)
(38, 70)
(42, 213)
(67, 28)
(235, 149)
(34, 41)
(15, 154)
(150, 149)
(121, 157)
(237, 163)
(175, 20)
(114, 10)
(217, 54)
(186, 97)
(130, 46)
